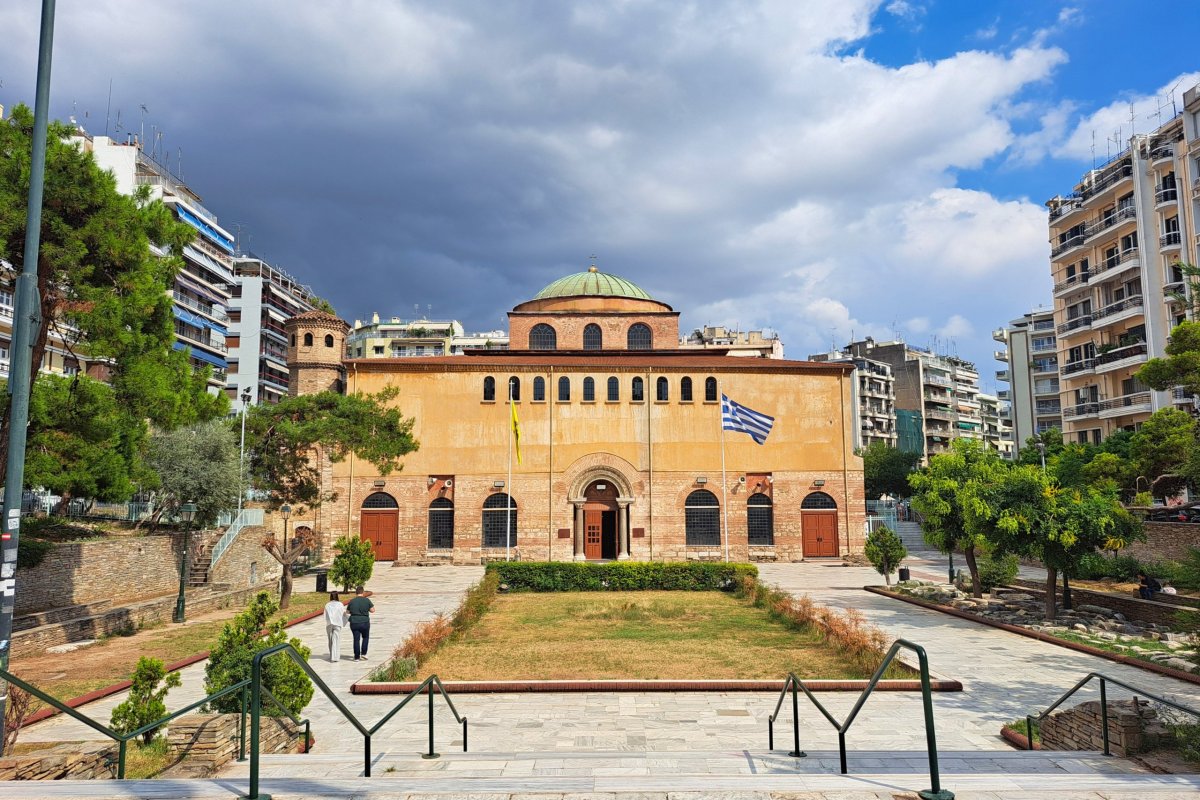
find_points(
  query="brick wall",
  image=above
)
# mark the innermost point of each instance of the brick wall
(1133, 728)
(209, 741)
(568, 328)
(72, 761)
(1134, 608)
(1165, 541)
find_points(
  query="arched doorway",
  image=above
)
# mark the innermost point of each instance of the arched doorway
(818, 521)
(600, 521)
(379, 523)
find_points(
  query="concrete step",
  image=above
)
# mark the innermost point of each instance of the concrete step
(914, 539)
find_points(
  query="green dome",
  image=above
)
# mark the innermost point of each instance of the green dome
(593, 283)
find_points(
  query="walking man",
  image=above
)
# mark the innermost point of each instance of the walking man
(361, 608)
(336, 618)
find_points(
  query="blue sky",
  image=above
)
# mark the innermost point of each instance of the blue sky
(823, 168)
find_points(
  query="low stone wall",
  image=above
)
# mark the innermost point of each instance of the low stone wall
(1130, 607)
(1165, 541)
(64, 762)
(209, 741)
(116, 621)
(1133, 727)
(246, 563)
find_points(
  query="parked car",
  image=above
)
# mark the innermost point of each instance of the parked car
(1188, 513)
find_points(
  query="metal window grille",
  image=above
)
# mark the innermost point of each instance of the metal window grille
(702, 517)
(662, 392)
(489, 388)
(710, 390)
(514, 388)
(564, 389)
(593, 338)
(640, 337)
(494, 520)
(685, 390)
(543, 337)
(441, 524)
(760, 520)
(614, 390)
(639, 390)
(380, 500)
(589, 390)
(819, 500)
(539, 389)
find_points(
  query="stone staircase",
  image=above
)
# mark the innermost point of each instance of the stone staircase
(910, 533)
(202, 543)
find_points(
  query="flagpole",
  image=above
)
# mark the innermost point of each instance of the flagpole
(508, 485)
(724, 495)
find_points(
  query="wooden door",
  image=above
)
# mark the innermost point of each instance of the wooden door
(379, 527)
(593, 528)
(820, 534)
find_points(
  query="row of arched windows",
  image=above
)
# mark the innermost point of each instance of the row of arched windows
(702, 519)
(308, 340)
(637, 389)
(545, 337)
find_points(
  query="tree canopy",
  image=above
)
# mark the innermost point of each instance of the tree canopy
(197, 464)
(886, 470)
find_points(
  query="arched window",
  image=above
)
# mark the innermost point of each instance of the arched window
(710, 390)
(329, 340)
(760, 520)
(543, 337)
(685, 390)
(496, 522)
(819, 501)
(293, 340)
(564, 389)
(539, 389)
(614, 390)
(640, 337)
(441, 524)
(593, 338)
(589, 390)
(514, 388)
(702, 518)
(308, 340)
(662, 391)
(489, 389)
(639, 390)
(380, 500)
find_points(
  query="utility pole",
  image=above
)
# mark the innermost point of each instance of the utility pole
(27, 319)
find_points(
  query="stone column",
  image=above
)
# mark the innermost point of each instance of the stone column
(579, 555)
(623, 529)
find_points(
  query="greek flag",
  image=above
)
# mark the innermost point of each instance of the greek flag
(736, 417)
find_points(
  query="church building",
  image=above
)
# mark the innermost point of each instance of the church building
(619, 451)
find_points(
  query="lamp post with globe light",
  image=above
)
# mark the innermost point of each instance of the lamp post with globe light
(187, 512)
(242, 455)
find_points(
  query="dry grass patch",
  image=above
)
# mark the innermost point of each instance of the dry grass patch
(644, 635)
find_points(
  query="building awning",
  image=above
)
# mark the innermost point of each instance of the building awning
(220, 363)
(197, 320)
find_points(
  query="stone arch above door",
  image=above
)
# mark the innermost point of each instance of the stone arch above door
(599, 467)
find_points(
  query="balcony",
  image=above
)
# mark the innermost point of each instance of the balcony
(1067, 244)
(1108, 178)
(1166, 194)
(214, 311)
(1101, 224)
(1046, 388)
(1000, 335)
(1046, 407)
(1044, 365)
(1162, 153)
(1076, 367)
(1120, 357)
(937, 380)
(946, 416)
(1077, 325)
(1122, 309)
(1002, 376)
(1070, 203)
(1135, 403)
(1004, 394)
(1170, 239)
(1081, 410)
(1044, 325)
(195, 338)
(1043, 347)
(1126, 259)
(1001, 355)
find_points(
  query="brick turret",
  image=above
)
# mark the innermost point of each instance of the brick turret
(316, 342)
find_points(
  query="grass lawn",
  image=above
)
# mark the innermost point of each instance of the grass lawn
(646, 635)
(113, 658)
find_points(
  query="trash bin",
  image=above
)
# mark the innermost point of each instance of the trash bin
(322, 580)
(904, 575)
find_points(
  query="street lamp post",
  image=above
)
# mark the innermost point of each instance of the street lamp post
(188, 513)
(286, 510)
(1041, 446)
(950, 554)
(242, 455)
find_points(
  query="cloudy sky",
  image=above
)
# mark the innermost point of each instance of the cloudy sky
(823, 168)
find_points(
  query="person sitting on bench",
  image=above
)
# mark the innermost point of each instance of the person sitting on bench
(1147, 586)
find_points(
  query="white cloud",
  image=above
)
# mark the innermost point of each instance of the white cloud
(917, 324)
(956, 326)
(1108, 129)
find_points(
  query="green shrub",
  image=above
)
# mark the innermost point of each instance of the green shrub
(1095, 566)
(353, 564)
(619, 576)
(1188, 576)
(396, 669)
(885, 551)
(1144, 499)
(145, 703)
(31, 552)
(231, 659)
(995, 572)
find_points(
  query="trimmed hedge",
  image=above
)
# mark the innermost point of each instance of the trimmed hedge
(619, 576)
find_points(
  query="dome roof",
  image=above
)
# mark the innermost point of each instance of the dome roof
(593, 283)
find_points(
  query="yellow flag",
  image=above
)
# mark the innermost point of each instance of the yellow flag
(516, 429)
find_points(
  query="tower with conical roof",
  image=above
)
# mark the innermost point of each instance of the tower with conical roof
(316, 342)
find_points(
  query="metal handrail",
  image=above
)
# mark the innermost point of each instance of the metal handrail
(256, 687)
(1104, 681)
(935, 792)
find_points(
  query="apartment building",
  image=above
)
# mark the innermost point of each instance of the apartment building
(874, 398)
(397, 338)
(264, 297)
(755, 344)
(937, 393)
(202, 289)
(996, 430)
(1032, 372)
(61, 356)
(1116, 241)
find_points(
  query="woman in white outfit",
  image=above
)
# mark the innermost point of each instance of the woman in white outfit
(336, 618)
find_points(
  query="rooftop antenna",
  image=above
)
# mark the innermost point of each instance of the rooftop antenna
(179, 162)
(237, 237)
(108, 110)
(1093, 148)
(142, 133)
(1132, 119)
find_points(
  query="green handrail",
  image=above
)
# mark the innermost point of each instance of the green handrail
(935, 792)
(1104, 681)
(428, 686)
